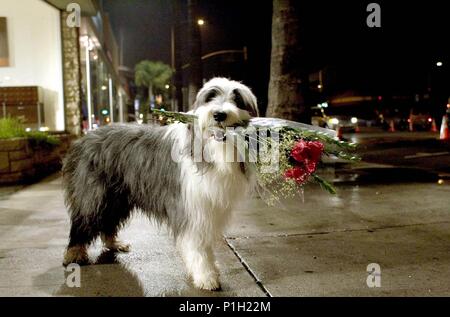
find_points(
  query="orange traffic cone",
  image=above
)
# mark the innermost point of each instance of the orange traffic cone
(445, 135)
(392, 126)
(339, 133)
(433, 126)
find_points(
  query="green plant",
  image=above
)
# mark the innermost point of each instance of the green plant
(13, 128)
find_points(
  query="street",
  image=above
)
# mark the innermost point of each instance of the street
(399, 157)
(317, 247)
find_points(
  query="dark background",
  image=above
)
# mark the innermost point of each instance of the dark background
(398, 58)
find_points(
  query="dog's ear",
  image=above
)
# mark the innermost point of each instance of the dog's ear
(245, 100)
(205, 95)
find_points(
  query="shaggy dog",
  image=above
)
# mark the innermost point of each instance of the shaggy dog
(119, 168)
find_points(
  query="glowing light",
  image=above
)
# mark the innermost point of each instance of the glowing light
(354, 120)
(28, 129)
(104, 87)
(439, 64)
(200, 22)
(43, 129)
(334, 121)
(440, 181)
(167, 86)
(319, 86)
(429, 119)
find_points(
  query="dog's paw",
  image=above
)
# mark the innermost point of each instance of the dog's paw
(76, 255)
(209, 282)
(118, 246)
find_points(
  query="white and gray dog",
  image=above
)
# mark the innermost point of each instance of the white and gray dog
(120, 168)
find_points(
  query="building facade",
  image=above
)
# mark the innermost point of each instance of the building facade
(68, 52)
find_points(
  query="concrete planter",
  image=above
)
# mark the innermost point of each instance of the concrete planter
(21, 162)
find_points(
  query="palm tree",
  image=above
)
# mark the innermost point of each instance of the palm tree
(153, 76)
(288, 76)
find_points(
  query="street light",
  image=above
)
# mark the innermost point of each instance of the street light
(439, 64)
(200, 22)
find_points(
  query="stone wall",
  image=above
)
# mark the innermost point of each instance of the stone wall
(72, 76)
(20, 162)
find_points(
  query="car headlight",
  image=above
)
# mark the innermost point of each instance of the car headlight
(334, 121)
(354, 120)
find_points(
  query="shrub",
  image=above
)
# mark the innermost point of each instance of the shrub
(13, 128)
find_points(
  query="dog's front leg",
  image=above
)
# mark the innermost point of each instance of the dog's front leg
(200, 261)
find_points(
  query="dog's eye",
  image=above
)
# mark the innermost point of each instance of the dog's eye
(211, 95)
(238, 100)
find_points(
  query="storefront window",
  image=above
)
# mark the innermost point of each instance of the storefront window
(99, 92)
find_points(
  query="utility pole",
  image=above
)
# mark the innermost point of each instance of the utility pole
(195, 53)
(177, 80)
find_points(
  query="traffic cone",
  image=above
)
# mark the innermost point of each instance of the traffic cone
(392, 126)
(339, 133)
(445, 135)
(433, 126)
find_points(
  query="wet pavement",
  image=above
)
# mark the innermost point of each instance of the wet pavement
(320, 246)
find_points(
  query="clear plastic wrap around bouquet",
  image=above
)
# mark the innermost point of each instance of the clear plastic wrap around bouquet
(283, 154)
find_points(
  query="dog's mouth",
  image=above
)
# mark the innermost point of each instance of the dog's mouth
(218, 134)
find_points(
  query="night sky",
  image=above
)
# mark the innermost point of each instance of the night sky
(396, 58)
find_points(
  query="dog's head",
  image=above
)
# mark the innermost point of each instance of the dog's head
(223, 103)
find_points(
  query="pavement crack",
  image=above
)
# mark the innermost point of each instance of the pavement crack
(249, 270)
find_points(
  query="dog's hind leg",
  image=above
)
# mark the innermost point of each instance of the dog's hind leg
(110, 242)
(113, 219)
(82, 233)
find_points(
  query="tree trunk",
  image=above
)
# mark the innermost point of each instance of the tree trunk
(195, 50)
(288, 75)
(150, 95)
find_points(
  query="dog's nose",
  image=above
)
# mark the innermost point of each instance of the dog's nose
(220, 116)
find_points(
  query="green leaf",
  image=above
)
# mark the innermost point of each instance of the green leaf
(324, 184)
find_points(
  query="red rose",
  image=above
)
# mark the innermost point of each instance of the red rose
(296, 173)
(310, 166)
(307, 151)
(307, 154)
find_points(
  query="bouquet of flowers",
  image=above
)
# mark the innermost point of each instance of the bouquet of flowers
(298, 149)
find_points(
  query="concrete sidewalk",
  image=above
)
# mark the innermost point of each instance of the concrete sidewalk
(321, 246)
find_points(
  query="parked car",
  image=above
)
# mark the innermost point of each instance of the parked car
(397, 117)
(347, 118)
(420, 119)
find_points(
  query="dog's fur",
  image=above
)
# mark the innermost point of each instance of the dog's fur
(122, 167)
